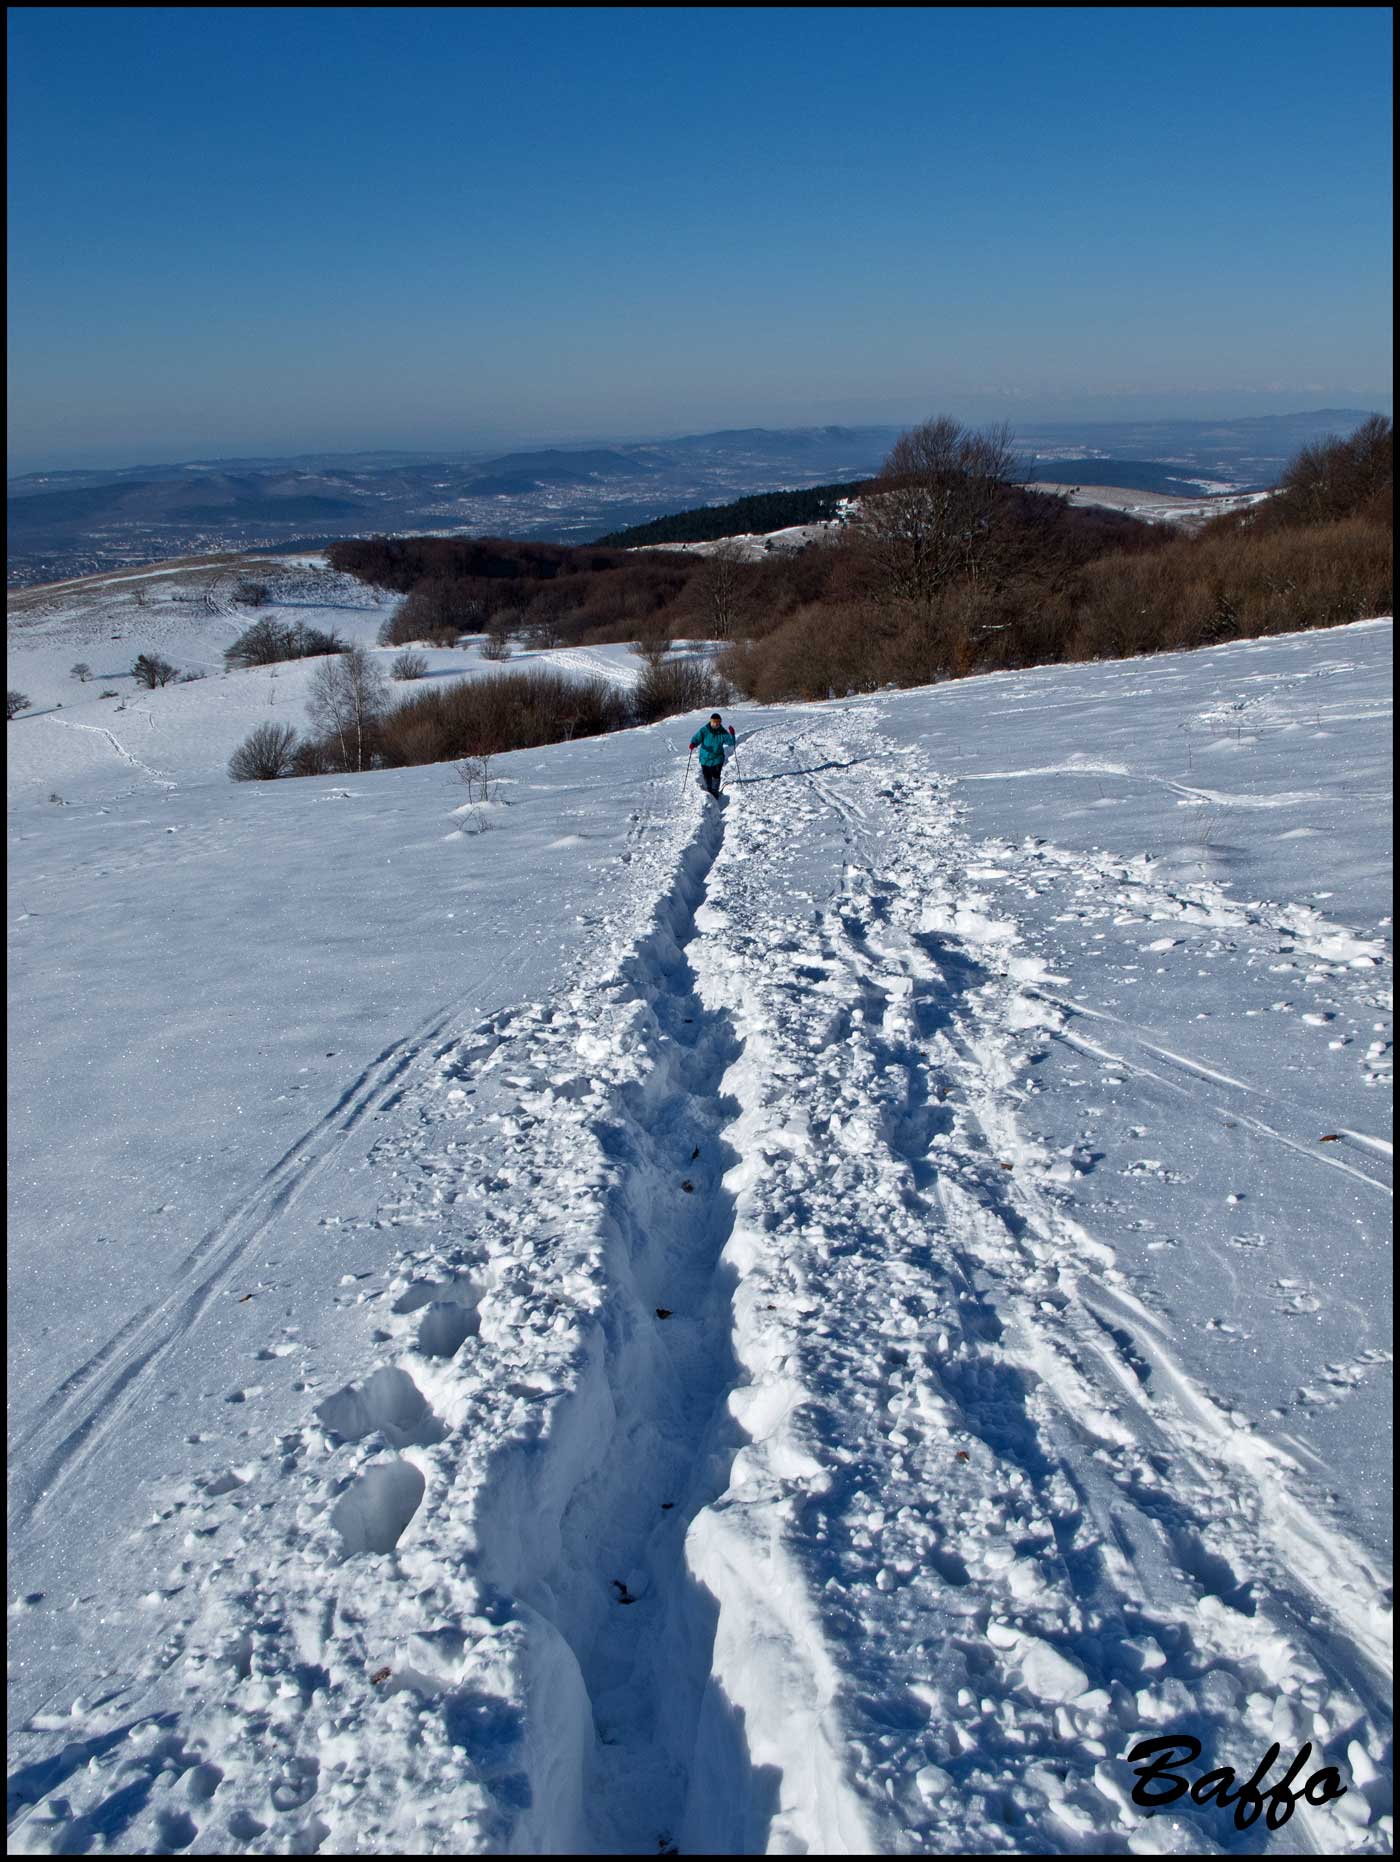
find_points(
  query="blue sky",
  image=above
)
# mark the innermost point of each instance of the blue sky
(275, 229)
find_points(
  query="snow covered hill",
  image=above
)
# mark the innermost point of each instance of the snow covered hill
(813, 1323)
(76, 734)
(1158, 507)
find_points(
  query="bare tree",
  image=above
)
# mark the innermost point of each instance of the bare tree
(348, 696)
(652, 645)
(15, 702)
(438, 609)
(1333, 478)
(149, 669)
(544, 618)
(930, 517)
(81, 671)
(720, 583)
(501, 629)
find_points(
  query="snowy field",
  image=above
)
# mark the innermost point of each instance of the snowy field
(1155, 507)
(73, 737)
(609, 1321)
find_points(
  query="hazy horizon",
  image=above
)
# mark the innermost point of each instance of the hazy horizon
(1219, 407)
(354, 229)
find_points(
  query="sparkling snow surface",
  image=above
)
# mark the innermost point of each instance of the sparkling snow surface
(808, 1323)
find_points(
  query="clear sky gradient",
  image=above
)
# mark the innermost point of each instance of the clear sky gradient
(276, 229)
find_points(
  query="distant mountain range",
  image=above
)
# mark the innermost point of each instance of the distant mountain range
(74, 523)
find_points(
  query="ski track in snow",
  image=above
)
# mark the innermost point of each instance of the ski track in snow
(93, 1399)
(726, 1279)
(1237, 1095)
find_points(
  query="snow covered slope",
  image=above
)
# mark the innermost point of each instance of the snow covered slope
(1155, 507)
(74, 742)
(753, 545)
(808, 1323)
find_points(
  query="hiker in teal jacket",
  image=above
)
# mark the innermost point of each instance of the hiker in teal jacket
(710, 741)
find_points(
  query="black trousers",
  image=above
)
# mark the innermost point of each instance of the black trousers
(710, 777)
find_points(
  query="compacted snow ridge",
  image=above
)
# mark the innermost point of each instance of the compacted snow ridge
(755, 1427)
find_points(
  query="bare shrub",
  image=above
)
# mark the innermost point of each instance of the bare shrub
(262, 644)
(923, 643)
(1232, 584)
(409, 665)
(405, 741)
(652, 643)
(312, 757)
(1336, 479)
(264, 755)
(1021, 624)
(670, 686)
(268, 642)
(474, 773)
(108, 692)
(500, 632)
(81, 671)
(823, 651)
(252, 594)
(438, 610)
(15, 702)
(510, 711)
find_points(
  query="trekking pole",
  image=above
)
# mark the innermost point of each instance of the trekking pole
(686, 777)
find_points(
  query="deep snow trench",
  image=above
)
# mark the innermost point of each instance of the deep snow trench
(619, 1591)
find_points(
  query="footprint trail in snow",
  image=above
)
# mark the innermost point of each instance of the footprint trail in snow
(754, 1452)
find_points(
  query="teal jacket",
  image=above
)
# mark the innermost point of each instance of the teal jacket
(710, 744)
